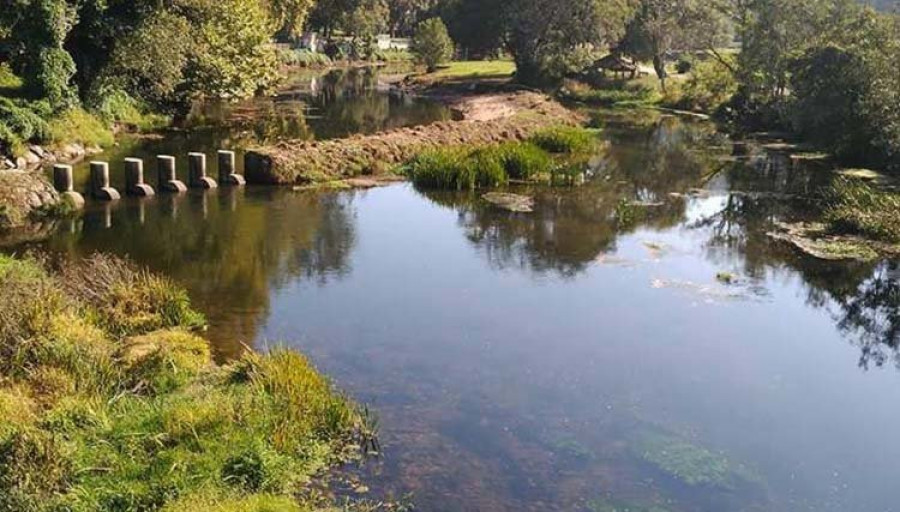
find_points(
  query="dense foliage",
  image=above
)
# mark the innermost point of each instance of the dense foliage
(432, 44)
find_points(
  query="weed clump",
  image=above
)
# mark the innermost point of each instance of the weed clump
(494, 166)
(563, 139)
(856, 208)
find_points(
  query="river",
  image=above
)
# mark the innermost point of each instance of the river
(636, 344)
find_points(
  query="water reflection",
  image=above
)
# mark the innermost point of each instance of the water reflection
(230, 247)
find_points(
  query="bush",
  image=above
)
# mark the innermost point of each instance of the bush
(432, 45)
(21, 122)
(394, 55)
(832, 90)
(710, 86)
(563, 139)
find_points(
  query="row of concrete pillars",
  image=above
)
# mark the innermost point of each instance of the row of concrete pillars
(63, 179)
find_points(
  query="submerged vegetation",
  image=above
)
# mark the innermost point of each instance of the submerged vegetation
(109, 402)
(459, 168)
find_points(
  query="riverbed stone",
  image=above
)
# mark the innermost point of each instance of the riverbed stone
(22, 195)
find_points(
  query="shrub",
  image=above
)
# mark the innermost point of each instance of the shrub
(710, 86)
(432, 45)
(563, 139)
(20, 123)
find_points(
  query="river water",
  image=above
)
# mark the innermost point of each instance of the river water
(634, 344)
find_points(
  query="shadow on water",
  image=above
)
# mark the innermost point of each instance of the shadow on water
(583, 357)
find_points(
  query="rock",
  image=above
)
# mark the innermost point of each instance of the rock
(21, 195)
(21, 163)
(37, 150)
(31, 159)
(510, 202)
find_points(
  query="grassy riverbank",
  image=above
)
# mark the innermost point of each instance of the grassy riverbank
(109, 401)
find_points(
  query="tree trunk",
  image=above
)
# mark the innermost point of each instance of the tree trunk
(659, 65)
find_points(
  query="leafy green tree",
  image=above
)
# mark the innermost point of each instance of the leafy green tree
(432, 44)
(661, 27)
(539, 33)
(36, 31)
(289, 16)
(405, 15)
(477, 26)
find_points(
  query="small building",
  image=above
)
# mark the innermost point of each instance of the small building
(616, 64)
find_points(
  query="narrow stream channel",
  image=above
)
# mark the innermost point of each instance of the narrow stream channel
(635, 344)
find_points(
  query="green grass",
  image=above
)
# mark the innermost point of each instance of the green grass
(856, 208)
(564, 139)
(460, 168)
(94, 417)
(474, 69)
(78, 125)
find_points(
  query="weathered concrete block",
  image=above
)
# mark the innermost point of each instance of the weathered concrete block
(134, 179)
(228, 169)
(197, 177)
(168, 176)
(64, 182)
(100, 188)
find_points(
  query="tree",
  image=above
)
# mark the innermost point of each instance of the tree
(539, 33)
(661, 27)
(477, 26)
(289, 16)
(405, 15)
(432, 44)
(35, 32)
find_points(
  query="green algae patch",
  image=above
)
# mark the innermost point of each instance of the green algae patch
(100, 414)
(612, 505)
(691, 464)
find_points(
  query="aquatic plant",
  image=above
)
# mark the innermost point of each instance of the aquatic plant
(563, 139)
(686, 462)
(457, 169)
(857, 208)
(98, 415)
(524, 160)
